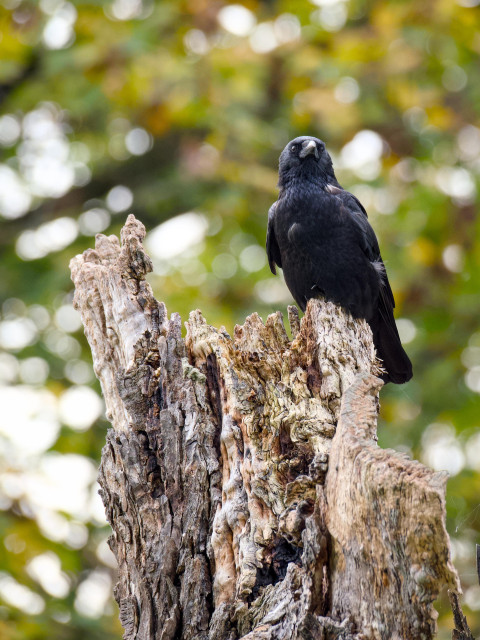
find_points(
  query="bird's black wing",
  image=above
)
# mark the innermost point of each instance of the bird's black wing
(386, 302)
(367, 237)
(369, 244)
(273, 250)
(346, 197)
(385, 333)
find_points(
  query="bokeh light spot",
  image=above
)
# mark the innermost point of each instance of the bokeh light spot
(28, 419)
(78, 371)
(20, 596)
(441, 451)
(9, 130)
(472, 379)
(453, 258)
(138, 141)
(224, 266)
(68, 319)
(196, 42)
(273, 291)
(46, 570)
(175, 236)
(362, 154)
(406, 330)
(263, 38)
(50, 236)
(34, 371)
(253, 258)
(17, 333)
(347, 90)
(454, 78)
(9, 368)
(93, 594)
(15, 197)
(93, 221)
(119, 199)
(79, 407)
(236, 19)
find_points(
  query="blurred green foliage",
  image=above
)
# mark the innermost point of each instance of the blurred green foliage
(187, 105)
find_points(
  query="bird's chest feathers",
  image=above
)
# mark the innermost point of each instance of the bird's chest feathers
(309, 212)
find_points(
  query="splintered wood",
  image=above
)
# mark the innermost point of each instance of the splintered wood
(241, 477)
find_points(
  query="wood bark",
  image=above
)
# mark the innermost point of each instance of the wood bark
(242, 478)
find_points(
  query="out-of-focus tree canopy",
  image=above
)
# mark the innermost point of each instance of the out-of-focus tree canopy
(177, 111)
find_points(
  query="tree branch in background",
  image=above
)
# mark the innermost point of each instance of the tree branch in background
(241, 477)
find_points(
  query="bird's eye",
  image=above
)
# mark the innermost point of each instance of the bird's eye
(293, 147)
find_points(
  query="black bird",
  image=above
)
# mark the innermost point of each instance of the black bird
(320, 236)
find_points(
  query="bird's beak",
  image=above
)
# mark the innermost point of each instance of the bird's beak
(309, 147)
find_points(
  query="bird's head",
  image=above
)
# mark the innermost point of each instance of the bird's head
(306, 157)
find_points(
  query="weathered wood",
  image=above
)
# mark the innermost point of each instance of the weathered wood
(246, 492)
(462, 630)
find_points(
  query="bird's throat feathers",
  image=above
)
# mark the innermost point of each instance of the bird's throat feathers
(310, 173)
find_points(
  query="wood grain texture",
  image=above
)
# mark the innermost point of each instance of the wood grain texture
(241, 477)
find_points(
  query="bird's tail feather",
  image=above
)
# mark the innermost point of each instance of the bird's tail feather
(397, 365)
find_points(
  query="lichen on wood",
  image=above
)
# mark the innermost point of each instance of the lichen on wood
(242, 479)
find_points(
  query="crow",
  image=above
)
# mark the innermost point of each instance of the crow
(319, 234)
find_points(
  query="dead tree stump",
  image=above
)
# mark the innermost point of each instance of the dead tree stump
(242, 479)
